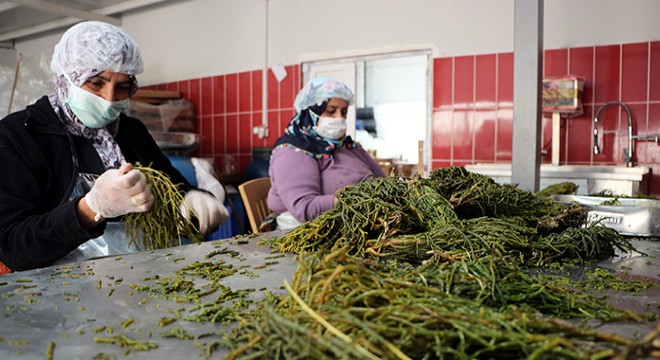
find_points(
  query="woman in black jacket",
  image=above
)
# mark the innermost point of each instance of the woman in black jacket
(65, 161)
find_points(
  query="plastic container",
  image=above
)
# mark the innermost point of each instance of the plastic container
(258, 167)
(224, 231)
(185, 167)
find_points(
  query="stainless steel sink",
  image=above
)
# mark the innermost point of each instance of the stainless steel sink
(628, 216)
(619, 180)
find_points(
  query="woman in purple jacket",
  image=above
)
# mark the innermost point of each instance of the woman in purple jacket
(314, 158)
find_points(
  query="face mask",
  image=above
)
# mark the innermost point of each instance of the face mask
(331, 128)
(92, 110)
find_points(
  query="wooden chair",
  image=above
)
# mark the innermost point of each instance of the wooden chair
(254, 194)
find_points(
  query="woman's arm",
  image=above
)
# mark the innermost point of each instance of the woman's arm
(36, 226)
(297, 180)
(87, 215)
(373, 165)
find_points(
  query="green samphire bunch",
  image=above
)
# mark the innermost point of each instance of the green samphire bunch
(163, 225)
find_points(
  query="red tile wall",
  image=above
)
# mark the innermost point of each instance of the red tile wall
(228, 107)
(473, 124)
(472, 107)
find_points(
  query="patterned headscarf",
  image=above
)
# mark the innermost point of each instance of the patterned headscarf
(86, 50)
(310, 104)
(103, 139)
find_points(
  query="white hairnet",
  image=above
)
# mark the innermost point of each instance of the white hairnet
(321, 89)
(99, 46)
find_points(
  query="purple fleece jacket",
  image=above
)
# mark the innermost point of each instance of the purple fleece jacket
(305, 186)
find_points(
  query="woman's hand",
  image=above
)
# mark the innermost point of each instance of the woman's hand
(117, 192)
(209, 211)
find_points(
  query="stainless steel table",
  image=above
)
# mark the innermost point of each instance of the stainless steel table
(70, 306)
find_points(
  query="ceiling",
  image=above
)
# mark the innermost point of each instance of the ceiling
(22, 19)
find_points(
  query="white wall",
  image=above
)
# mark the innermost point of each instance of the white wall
(192, 39)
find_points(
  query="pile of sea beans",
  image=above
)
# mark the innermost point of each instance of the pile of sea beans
(437, 268)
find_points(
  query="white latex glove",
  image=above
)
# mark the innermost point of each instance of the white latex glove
(210, 212)
(119, 191)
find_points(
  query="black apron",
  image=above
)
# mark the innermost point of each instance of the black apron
(115, 240)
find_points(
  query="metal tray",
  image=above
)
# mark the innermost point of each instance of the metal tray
(628, 216)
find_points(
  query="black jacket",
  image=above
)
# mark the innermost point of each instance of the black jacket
(38, 225)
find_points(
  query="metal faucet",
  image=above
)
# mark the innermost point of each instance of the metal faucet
(627, 153)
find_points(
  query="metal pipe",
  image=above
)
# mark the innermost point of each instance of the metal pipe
(62, 22)
(654, 137)
(264, 78)
(596, 148)
(627, 153)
